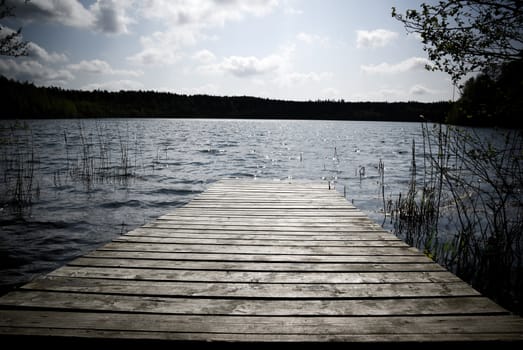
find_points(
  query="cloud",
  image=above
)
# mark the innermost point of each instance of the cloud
(292, 11)
(421, 90)
(31, 70)
(374, 38)
(205, 13)
(34, 50)
(66, 12)
(101, 67)
(110, 16)
(246, 66)
(312, 39)
(204, 56)
(161, 48)
(207, 89)
(186, 22)
(295, 78)
(115, 85)
(381, 94)
(107, 16)
(330, 92)
(410, 64)
(415, 93)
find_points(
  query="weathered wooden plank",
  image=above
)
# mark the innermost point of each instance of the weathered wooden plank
(306, 231)
(262, 219)
(265, 201)
(274, 227)
(55, 335)
(251, 266)
(271, 307)
(253, 249)
(276, 215)
(263, 222)
(227, 206)
(265, 242)
(254, 276)
(265, 325)
(238, 257)
(261, 235)
(252, 290)
(257, 261)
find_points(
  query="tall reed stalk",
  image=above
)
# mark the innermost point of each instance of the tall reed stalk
(19, 184)
(464, 208)
(102, 157)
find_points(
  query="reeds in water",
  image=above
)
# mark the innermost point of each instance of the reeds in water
(100, 156)
(19, 184)
(464, 208)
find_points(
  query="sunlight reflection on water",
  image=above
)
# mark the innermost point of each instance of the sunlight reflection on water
(168, 162)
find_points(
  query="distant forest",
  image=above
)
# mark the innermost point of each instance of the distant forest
(25, 100)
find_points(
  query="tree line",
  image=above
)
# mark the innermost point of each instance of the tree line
(25, 100)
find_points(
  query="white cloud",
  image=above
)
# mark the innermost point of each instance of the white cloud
(380, 94)
(102, 67)
(204, 56)
(295, 78)
(421, 90)
(207, 89)
(243, 66)
(34, 50)
(161, 48)
(115, 85)
(66, 12)
(186, 22)
(410, 64)
(205, 13)
(312, 39)
(108, 16)
(415, 93)
(155, 56)
(292, 11)
(31, 70)
(374, 38)
(330, 93)
(5, 31)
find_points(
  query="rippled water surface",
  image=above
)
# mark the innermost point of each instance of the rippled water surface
(96, 179)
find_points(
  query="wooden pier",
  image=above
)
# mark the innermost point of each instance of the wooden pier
(252, 261)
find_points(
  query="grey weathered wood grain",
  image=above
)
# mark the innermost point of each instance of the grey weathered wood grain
(252, 290)
(265, 242)
(238, 257)
(254, 276)
(255, 307)
(253, 249)
(264, 325)
(257, 261)
(252, 266)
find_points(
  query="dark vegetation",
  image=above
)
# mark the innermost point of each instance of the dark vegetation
(24, 100)
(464, 205)
(492, 98)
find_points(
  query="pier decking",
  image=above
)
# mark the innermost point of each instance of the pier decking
(257, 261)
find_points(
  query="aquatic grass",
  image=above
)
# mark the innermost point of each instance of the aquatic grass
(101, 157)
(19, 169)
(464, 208)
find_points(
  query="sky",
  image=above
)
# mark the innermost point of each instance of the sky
(282, 49)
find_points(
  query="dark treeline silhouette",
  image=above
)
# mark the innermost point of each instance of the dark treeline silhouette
(25, 100)
(494, 97)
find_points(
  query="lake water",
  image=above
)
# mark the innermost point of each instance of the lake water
(96, 179)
